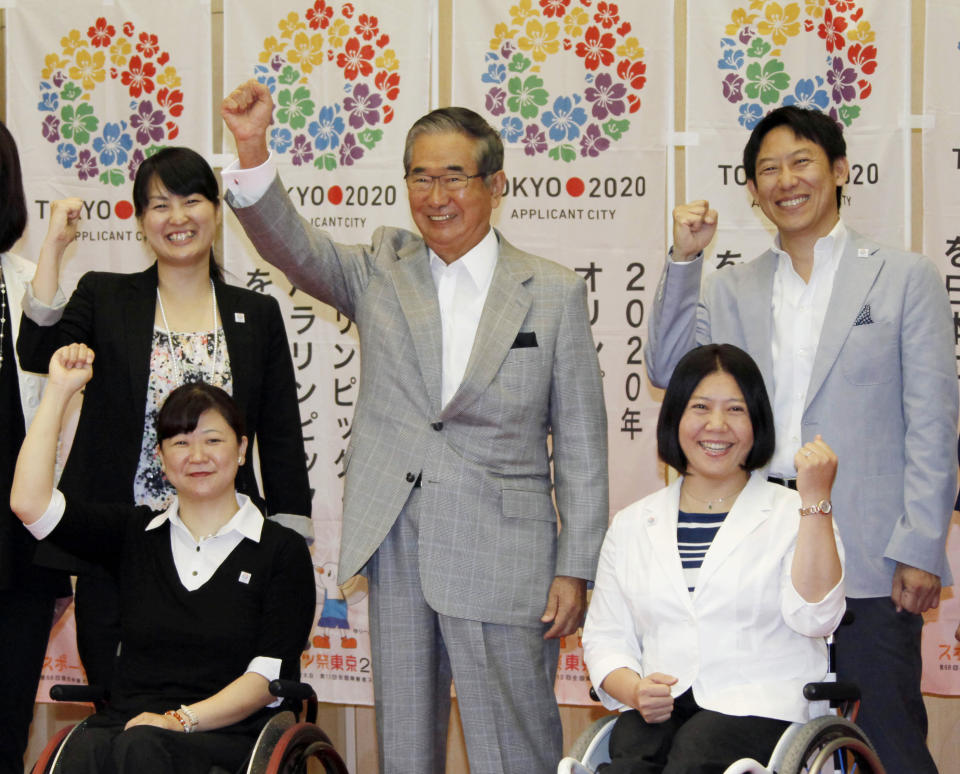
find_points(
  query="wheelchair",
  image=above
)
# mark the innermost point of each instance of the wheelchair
(284, 746)
(829, 744)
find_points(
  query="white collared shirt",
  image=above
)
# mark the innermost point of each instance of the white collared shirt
(799, 309)
(462, 288)
(196, 560)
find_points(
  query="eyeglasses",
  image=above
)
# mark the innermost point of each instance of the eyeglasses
(422, 184)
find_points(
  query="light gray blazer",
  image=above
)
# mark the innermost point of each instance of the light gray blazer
(883, 393)
(488, 546)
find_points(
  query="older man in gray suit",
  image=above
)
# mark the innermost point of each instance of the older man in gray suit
(855, 342)
(473, 354)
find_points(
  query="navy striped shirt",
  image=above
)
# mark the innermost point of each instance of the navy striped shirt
(695, 533)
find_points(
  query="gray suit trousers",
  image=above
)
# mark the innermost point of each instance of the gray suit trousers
(504, 675)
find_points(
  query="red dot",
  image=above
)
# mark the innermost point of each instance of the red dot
(575, 186)
(123, 209)
(335, 194)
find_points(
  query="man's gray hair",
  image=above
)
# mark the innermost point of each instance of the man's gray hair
(488, 148)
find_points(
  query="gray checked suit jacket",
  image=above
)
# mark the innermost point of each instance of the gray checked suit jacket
(488, 544)
(883, 392)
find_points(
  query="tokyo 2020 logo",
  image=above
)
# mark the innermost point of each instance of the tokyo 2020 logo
(96, 147)
(552, 118)
(341, 131)
(754, 75)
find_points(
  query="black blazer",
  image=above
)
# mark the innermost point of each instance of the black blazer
(114, 315)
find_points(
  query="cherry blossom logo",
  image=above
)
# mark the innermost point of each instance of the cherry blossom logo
(340, 133)
(755, 78)
(108, 151)
(564, 124)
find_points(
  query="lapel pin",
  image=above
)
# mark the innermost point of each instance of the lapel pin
(239, 317)
(863, 252)
(244, 577)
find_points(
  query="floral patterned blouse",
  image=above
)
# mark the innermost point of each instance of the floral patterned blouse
(197, 362)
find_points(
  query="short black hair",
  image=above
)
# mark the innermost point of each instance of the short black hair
(183, 172)
(13, 213)
(488, 149)
(181, 410)
(692, 369)
(806, 123)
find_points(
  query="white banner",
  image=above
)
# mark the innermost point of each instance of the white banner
(848, 59)
(93, 88)
(348, 80)
(580, 92)
(941, 241)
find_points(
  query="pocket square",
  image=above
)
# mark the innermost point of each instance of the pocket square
(524, 339)
(863, 317)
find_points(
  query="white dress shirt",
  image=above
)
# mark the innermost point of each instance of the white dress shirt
(799, 309)
(462, 288)
(196, 560)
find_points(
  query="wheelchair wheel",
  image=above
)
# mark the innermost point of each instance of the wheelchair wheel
(815, 744)
(298, 745)
(48, 757)
(591, 747)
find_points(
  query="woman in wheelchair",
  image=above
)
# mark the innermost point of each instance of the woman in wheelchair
(713, 595)
(215, 601)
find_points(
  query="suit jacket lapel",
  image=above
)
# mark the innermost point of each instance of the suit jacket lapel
(752, 508)
(418, 300)
(660, 521)
(138, 312)
(237, 339)
(506, 307)
(854, 278)
(757, 315)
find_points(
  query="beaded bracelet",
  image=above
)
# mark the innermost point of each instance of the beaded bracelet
(191, 716)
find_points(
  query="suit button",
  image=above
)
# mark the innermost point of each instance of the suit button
(411, 478)
(437, 426)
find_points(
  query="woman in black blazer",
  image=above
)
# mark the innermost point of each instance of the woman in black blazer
(176, 322)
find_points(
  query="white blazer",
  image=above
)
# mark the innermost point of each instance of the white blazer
(745, 640)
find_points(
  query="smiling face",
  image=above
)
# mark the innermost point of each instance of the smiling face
(795, 186)
(202, 464)
(452, 222)
(715, 431)
(179, 229)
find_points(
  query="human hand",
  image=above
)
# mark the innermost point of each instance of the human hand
(153, 719)
(694, 225)
(915, 590)
(248, 112)
(816, 469)
(566, 604)
(64, 219)
(71, 367)
(652, 697)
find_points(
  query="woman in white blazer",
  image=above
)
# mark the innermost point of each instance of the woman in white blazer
(713, 595)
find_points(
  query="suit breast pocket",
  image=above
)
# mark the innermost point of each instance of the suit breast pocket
(871, 354)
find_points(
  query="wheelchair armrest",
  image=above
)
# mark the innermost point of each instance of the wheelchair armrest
(832, 692)
(291, 689)
(77, 693)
